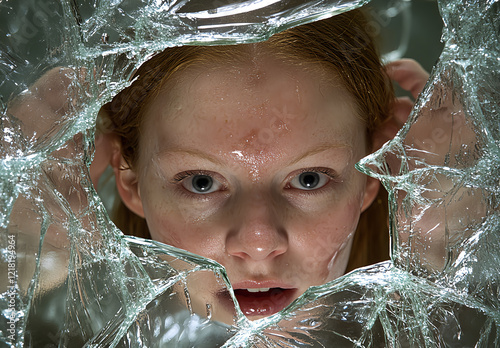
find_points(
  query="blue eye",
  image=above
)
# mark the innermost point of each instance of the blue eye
(309, 181)
(201, 184)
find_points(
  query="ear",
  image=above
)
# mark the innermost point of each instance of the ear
(371, 191)
(127, 184)
(385, 132)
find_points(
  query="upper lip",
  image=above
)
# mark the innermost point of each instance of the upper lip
(258, 284)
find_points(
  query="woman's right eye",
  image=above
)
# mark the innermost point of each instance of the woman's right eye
(201, 184)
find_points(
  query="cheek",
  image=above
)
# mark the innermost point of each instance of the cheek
(172, 223)
(172, 229)
(323, 246)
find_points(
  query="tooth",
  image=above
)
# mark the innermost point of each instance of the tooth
(258, 290)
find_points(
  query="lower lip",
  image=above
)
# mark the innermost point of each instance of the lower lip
(264, 303)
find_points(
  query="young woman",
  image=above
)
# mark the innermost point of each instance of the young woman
(245, 154)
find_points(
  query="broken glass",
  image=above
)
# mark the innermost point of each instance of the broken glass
(70, 278)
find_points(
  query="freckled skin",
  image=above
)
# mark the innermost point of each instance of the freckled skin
(254, 136)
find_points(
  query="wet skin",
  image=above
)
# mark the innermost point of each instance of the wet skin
(253, 166)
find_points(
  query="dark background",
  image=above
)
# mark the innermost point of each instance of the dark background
(425, 34)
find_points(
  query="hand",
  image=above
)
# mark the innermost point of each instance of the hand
(411, 77)
(46, 104)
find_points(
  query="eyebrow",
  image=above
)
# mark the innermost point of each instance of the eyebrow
(207, 156)
(194, 153)
(318, 149)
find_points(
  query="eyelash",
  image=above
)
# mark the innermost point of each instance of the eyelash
(332, 175)
(183, 175)
(178, 178)
(328, 172)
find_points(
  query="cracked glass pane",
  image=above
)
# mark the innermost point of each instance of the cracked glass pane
(165, 98)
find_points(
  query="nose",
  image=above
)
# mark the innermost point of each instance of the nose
(257, 233)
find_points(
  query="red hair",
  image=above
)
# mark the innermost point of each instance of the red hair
(342, 45)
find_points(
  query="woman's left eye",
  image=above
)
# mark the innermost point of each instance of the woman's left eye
(309, 181)
(201, 184)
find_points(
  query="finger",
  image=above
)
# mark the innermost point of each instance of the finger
(408, 74)
(52, 88)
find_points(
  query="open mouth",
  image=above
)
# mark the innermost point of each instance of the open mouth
(264, 301)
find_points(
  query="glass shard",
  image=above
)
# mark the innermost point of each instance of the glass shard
(70, 278)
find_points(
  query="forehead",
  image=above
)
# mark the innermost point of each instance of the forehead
(257, 107)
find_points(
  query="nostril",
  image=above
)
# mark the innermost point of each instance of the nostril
(256, 245)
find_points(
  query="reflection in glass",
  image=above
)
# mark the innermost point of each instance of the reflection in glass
(70, 278)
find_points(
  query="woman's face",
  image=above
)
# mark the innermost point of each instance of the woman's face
(253, 166)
